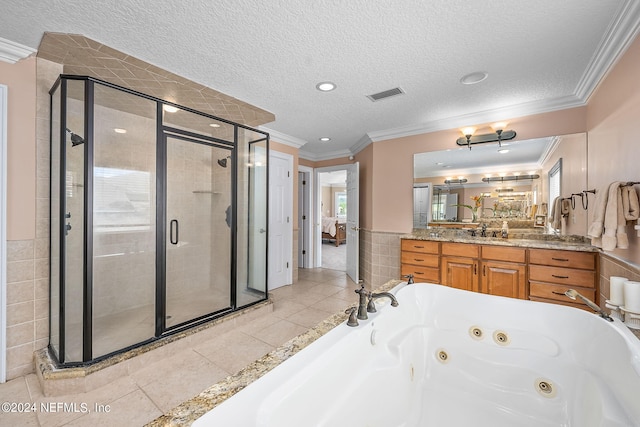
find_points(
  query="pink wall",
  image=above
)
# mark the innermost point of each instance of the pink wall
(391, 188)
(20, 78)
(613, 115)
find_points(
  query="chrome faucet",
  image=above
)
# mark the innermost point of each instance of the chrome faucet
(410, 277)
(573, 294)
(483, 233)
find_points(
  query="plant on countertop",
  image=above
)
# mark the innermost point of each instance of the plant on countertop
(473, 208)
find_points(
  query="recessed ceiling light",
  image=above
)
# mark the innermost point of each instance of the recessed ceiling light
(325, 86)
(214, 125)
(473, 78)
(325, 139)
(170, 108)
(503, 151)
(119, 130)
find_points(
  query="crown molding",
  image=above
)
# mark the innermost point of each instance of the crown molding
(330, 155)
(551, 147)
(13, 52)
(615, 42)
(488, 116)
(283, 138)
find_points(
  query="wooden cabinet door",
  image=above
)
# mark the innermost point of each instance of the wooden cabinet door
(460, 273)
(504, 278)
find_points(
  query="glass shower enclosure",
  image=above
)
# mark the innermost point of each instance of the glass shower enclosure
(158, 219)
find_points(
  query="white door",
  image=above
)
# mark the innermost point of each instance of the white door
(280, 219)
(353, 221)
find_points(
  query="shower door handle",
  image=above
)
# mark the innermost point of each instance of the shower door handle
(173, 226)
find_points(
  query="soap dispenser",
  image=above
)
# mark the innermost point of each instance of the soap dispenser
(505, 229)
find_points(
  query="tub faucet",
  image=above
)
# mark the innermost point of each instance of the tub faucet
(371, 306)
(410, 277)
(573, 294)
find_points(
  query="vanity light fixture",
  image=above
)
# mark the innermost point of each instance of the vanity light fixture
(455, 181)
(468, 133)
(498, 136)
(510, 178)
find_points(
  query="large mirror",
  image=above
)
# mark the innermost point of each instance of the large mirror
(487, 183)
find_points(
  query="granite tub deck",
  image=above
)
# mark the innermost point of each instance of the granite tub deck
(186, 413)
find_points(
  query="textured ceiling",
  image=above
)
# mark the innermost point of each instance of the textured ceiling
(540, 55)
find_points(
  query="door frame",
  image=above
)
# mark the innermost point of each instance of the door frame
(317, 223)
(3, 233)
(307, 190)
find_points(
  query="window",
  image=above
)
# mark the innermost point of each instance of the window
(555, 178)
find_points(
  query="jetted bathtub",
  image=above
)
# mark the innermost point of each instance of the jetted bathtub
(446, 357)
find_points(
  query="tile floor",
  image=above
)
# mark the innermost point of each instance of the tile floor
(155, 389)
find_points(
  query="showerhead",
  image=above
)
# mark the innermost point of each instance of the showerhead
(223, 162)
(75, 138)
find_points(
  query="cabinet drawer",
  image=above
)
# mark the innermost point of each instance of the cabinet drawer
(562, 276)
(421, 274)
(423, 246)
(460, 249)
(421, 259)
(545, 290)
(501, 253)
(557, 258)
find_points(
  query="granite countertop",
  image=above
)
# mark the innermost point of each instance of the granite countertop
(519, 238)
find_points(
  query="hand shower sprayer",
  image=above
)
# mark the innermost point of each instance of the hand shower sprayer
(75, 138)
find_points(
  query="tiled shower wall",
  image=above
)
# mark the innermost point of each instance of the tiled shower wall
(379, 257)
(28, 260)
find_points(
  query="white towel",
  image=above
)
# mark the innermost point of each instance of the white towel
(597, 226)
(630, 203)
(609, 239)
(556, 213)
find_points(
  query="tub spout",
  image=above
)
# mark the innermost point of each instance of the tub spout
(371, 306)
(573, 294)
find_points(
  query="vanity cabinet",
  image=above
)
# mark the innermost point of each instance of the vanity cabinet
(503, 271)
(420, 258)
(459, 265)
(509, 271)
(552, 272)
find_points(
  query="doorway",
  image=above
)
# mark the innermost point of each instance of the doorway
(337, 219)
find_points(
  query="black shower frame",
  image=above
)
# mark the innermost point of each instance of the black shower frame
(162, 132)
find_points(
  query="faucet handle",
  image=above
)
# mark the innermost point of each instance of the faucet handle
(410, 277)
(351, 311)
(362, 291)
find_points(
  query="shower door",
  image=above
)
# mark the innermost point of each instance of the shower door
(198, 229)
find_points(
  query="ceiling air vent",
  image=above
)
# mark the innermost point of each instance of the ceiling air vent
(385, 94)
